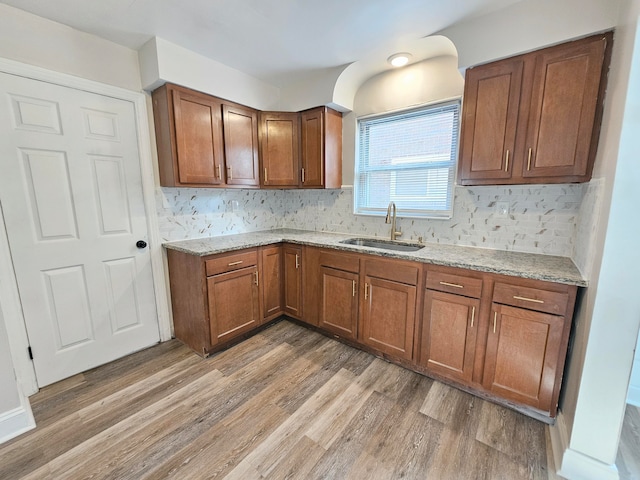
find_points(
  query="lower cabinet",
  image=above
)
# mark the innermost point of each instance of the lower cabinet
(505, 337)
(526, 344)
(389, 307)
(450, 323)
(339, 282)
(233, 303)
(449, 334)
(292, 280)
(271, 269)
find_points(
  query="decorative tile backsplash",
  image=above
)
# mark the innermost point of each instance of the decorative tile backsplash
(206, 212)
(542, 219)
(585, 249)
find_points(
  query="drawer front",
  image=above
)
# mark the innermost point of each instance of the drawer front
(340, 261)
(531, 298)
(230, 262)
(456, 284)
(392, 270)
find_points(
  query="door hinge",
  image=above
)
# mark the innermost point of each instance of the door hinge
(30, 352)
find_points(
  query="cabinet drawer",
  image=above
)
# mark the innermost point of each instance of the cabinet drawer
(531, 298)
(340, 261)
(457, 284)
(231, 262)
(392, 270)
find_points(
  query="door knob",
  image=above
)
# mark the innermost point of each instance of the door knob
(141, 244)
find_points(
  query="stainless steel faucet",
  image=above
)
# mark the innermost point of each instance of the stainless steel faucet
(391, 218)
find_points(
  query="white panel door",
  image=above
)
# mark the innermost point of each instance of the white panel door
(71, 194)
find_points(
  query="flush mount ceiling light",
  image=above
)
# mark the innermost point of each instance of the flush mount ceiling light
(399, 59)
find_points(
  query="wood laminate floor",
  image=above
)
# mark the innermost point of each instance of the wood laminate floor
(287, 403)
(628, 461)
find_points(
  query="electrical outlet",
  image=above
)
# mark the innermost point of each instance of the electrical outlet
(321, 205)
(502, 209)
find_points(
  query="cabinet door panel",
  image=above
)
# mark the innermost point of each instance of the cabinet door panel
(293, 281)
(339, 302)
(312, 133)
(271, 282)
(449, 334)
(491, 108)
(241, 145)
(563, 108)
(389, 316)
(279, 148)
(233, 304)
(198, 124)
(522, 355)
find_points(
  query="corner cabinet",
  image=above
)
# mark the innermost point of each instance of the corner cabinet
(321, 148)
(535, 118)
(204, 141)
(301, 150)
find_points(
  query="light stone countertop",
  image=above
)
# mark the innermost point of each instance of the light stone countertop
(525, 265)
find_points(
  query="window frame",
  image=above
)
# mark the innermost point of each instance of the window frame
(450, 163)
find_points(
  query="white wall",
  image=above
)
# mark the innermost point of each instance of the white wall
(162, 61)
(528, 25)
(34, 40)
(614, 311)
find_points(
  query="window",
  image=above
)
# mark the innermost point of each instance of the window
(408, 158)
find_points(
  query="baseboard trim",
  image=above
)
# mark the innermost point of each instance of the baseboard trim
(633, 397)
(571, 464)
(16, 422)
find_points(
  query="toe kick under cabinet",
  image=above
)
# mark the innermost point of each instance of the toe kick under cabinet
(501, 337)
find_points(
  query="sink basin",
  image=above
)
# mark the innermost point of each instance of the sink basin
(385, 244)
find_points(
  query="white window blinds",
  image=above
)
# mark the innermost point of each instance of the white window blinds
(408, 158)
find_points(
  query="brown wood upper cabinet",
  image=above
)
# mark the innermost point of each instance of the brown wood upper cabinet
(241, 145)
(280, 149)
(321, 148)
(301, 149)
(204, 141)
(535, 118)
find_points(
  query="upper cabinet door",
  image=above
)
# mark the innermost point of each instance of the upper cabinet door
(562, 117)
(279, 149)
(535, 118)
(491, 109)
(321, 148)
(312, 130)
(241, 145)
(198, 134)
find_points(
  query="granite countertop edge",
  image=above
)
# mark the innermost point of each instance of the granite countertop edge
(525, 265)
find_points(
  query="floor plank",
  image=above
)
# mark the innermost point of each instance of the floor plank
(287, 403)
(628, 460)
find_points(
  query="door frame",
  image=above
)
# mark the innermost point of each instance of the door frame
(9, 293)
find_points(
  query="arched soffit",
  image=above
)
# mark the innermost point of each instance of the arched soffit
(353, 76)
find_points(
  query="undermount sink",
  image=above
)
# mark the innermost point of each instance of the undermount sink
(385, 244)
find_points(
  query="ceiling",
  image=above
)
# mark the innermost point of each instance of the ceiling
(276, 41)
